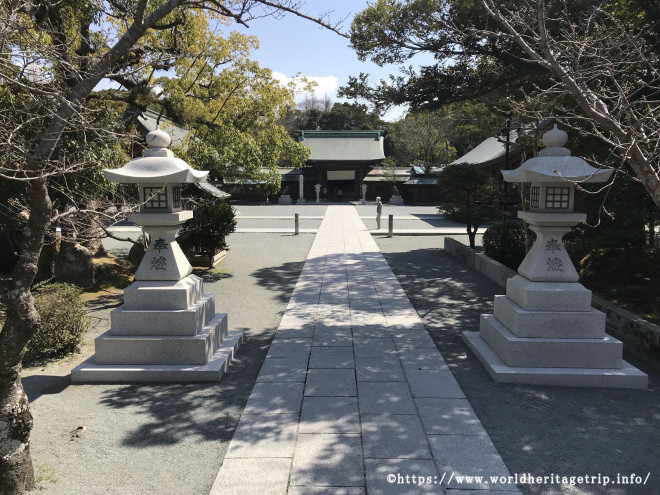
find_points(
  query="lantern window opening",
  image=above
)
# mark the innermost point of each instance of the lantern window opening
(557, 197)
(155, 198)
(535, 195)
(176, 197)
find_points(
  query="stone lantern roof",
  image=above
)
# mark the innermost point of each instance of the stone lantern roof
(157, 166)
(555, 164)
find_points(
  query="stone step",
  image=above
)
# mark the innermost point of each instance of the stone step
(91, 372)
(549, 324)
(549, 353)
(168, 349)
(150, 295)
(548, 296)
(180, 322)
(627, 376)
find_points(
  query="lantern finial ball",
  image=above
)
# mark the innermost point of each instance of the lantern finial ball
(158, 139)
(555, 138)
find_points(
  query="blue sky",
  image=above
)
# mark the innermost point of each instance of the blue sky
(294, 45)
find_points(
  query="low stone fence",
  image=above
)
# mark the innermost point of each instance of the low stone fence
(639, 336)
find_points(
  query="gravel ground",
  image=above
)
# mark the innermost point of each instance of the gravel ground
(170, 439)
(541, 430)
(163, 439)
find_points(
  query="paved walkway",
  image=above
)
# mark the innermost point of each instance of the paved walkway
(353, 393)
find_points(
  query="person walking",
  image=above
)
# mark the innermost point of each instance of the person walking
(379, 211)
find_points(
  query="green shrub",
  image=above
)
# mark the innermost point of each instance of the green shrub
(207, 230)
(505, 242)
(64, 321)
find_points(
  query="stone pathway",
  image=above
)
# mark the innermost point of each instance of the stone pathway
(354, 397)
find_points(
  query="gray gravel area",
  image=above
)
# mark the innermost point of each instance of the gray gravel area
(171, 439)
(541, 430)
(163, 439)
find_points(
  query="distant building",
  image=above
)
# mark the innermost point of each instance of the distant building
(341, 160)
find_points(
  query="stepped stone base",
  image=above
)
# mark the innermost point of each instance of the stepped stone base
(90, 372)
(165, 331)
(549, 352)
(627, 376)
(162, 349)
(547, 333)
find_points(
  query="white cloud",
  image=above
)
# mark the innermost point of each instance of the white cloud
(325, 85)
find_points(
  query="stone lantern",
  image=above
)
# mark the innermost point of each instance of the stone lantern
(544, 330)
(167, 329)
(552, 177)
(159, 175)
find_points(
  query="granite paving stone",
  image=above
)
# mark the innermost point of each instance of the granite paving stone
(330, 415)
(421, 359)
(466, 455)
(333, 339)
(433, 383)
(413, 339)
(394, 436)
(331, 357)
(293, 369)
(442, 416)
(371, 369)
(385, 397)
(290, 348)
(401, 476)
(275, 398)
(330, 383)
(252, 477)
(259, 435)
(326, 490)
(353, 388)
(370, 331)
(373, 347)
(328, 460)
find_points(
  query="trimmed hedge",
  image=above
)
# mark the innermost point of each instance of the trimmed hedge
(505, 242)
(64, 321)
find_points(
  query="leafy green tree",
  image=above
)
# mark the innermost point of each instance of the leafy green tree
(588, 62)
(53, 56)
(422, 139)
(470, 195)
(350, 116)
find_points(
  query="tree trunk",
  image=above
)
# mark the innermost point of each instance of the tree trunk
(16, 472)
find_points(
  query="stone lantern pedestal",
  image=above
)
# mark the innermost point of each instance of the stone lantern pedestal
(167, 330)
(544, 330)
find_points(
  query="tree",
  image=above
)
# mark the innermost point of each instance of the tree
(470, 195)
(235, 115)
(350, 116)
(52, 56)
(595, 63)
(423, 139)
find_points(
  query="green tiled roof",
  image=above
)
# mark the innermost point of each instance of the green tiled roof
(343, 145)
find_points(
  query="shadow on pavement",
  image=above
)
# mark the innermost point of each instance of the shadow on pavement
(280, 280)
(541, 430)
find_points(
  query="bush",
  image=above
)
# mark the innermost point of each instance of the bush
(207, 230)
(505, 242)
(64, 321)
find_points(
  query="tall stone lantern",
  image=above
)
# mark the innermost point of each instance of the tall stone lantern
(544, 330)
(167, 329)
(159, 175)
